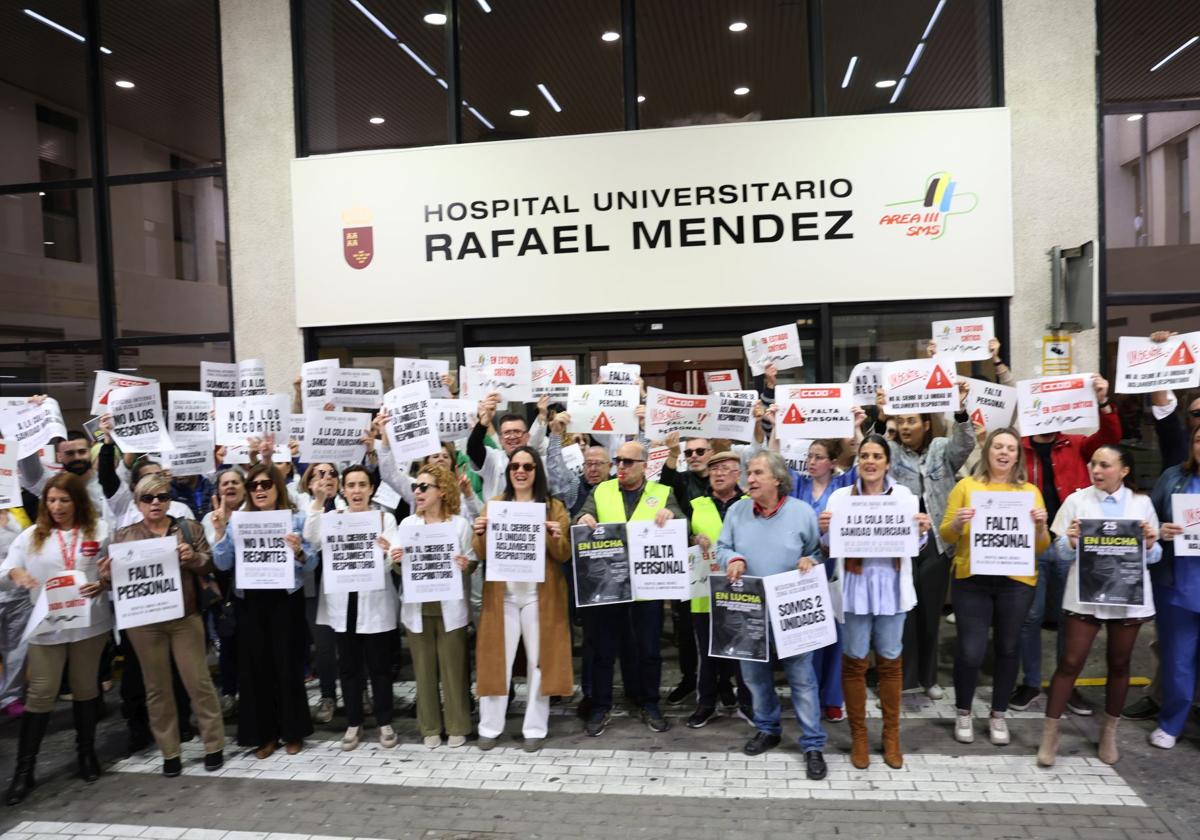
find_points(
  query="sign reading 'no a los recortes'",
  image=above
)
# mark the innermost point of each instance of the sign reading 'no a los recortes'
(859, 200)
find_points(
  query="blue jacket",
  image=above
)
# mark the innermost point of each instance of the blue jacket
(1174, 480)
(224, 553)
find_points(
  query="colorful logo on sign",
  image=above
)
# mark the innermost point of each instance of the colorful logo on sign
(941, 200)
(358, 237)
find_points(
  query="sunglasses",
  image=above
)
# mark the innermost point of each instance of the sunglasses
(629, 462)
(148, 498)
(699, 450)
(424, 487)
(324, 474)
(261, 484)
(522, 467)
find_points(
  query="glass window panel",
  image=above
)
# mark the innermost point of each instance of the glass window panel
(43, 92)
(930, 54)
(176, 366)
(169, 275)
(48, 276)
(161, 85)
(377, 349)
(516, 46)
(893, 335)
(373, 60)
(1147, 50)
(66, 375)
(690, 63)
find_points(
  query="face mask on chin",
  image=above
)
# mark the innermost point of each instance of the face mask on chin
(78, 467)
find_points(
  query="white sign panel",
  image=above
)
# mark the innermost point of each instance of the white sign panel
(990, 404)
(864, 380)
(411, 429)
(516, 541)
(147, 586)
(873, 526)
(195, 459)
(658, 560)
(722, 380)
(190, 417)
(316, 383)
(407, 371)
(1144, 366)
(358, 388)
(219, 378)
(137, 415)
(795, 453)
(454, 418)
(735, 415)
(506, 371)
(1002, 534)
(427, 569)
(779, 346)
(964, 339)
(252, 378)
(1185, 512)
(920, 386)
(351, 557)
(620, 373)
(263, 559)
(656, 459)
(1057, 404)
(553, 378)
(801, 614)
(334, 436)
(239, 418)
(10, 485)
(689, 414)
(29, 426)
(603, 409)
(106, 381)
(814, 411)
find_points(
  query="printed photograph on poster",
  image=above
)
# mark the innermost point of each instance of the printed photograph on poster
(1185, 512)
(220, 379)
(427, 569)
(801, 614)
(814, 411)
(603, 409)
(656, 459)
(658, 560)
(601, 558)
(506, 371)
(722, 380)
(735, 415)
(1002, 534)
(263, 559)
(358, 388)
(989, 404)
(1057, 404)
(408, 371)
(778, 345)
(1145, 366)
(573, 459)
(147, 585)
(689, 414)
(252, 378)
(411, 427)
(920, 386)
(190, 417)
(873, 526)
(1110, 560)
(516, 542)
(351, 557)
(334, 436)
(238, 418)
(316, 383)
(10, 484)
(137, 417)
(620, 373)
(965, 339)
(454, 418)
(739, 619)
(106, 381)
(553, 378)
(865, 382)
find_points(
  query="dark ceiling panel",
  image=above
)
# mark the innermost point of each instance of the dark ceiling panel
(1138, 34)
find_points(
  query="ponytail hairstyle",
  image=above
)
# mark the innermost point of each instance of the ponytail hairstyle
(1125, 456)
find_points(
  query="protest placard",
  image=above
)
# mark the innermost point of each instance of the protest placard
(411, 429)
(296, 427)
(735, 415)
(192, 459)
(573, 459)
(506, 371)
(263, 559)
(873, 526)
(10, 484)
(316, 383)
(516, 541)
(603, 409)
(722, 380)
(865, 382)
(965, 339)
(801, 614)
(219, 378)
(814, 411)
(386, 497)
(1057, 404)
(334, 436)
(620, 373)
(238, 418)
(658, 560)
(106, 381)
(60, 605)
(689, 414)
(427, 569)
(190, 418)
(358, 388)
(1185, 512)
(656, 459)
(137, 415)
(1002, 540)
(147, 586)
(1145, 366)
(778, 345)
(1110, 562)
(408, 371)
(920, 386)
(351, 557)
(739, 619)
(795, 453)
(601, 558)
(553, 378)
(989, 404)
(701, 564)
(252, 378)
(29, 427)
(454, 418)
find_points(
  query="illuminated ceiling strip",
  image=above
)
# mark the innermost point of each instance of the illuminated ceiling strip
(1177, 51)
(378, 23)
(53, 24)
(417, 59)
(849, 71)
(553, 102)
(896, 93)
(916, 56)
(483, 4)
(933, 19)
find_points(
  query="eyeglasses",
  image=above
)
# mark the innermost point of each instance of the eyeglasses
(629, 462)
(148, 498)
(699, 450)
(595, 463)
(261, 484)
(424, 487)
(512, 433)
(522, 467)
(324, 474)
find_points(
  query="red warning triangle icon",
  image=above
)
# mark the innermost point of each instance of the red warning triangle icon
(1182, 356)
(560, 377)
(977, 417)
(793, 415)
(602, 424)
(938, 379)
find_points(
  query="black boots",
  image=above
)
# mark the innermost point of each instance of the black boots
(33, 728)
(85, 739)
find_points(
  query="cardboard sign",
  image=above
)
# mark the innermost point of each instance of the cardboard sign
(408, 371)
(601, 559)
(454, 418)
(190, 418)
(920, 386)
(603, 409)
(814, 411)
(147, 585)
(137, 415)
(351, 557)
(739, 619)
(263, 559)
(689, 414)
(620, 373)
(865, 382)
(1002, 538)
(219, 378)
(358, 388)
(334, 436)
(239, 418)
(1057, 404)
(252, 378)
(411, 430)
(316, 383)
(516, 542)
(801, 613)
(1110, 558)
(658, 560)
(722, 380)
(506, 371)
(10, 484)
(735, 415)
(553, 378)
(427, 569)
(1145, 366)
(965, 339)
(989, 404)
(1185, 512)
(873, 526)
(106, 381)
(779, 346)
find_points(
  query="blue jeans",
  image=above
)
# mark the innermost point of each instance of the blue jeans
(885, 633)
(1179, 647)
(803, 681)
(1052, 578)
(827, 661)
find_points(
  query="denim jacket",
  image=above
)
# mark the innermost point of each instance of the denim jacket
(931, 475)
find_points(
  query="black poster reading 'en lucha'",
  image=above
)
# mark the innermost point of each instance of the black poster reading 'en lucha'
(739, 619)
(1111, 562)
(601, 557)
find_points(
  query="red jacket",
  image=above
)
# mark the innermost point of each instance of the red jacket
(1070, 456)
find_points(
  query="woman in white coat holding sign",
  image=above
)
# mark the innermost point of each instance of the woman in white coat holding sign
(364, 623)
(874, 595)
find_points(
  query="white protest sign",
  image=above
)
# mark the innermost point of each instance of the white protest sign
(1144, 366)
(427, 569)
(351, 557)
(1185, 512)
(411, 430)
(454, 418)
(192, 459)
(219, 378)
(814, 411)
(801, 614)
(779, 346)
(316, 383)
(573, 459)
(464, 386)
(60, 606)
(920, 386)
(989, 404)
(506, 371)
(701, 564)
(516, 541)
(334, 436)
(296, 428)
(252, 378)
(358, 388)
(10, 484)
(689, 414)
(620, 373)
(239, 454)
(137, 415)
(263, 558)
(865, 382)
(795, 453)
(873, 526)
(147, 586)
(964, 339)
(29, 427)
(1057, 404)
(406, 371)
(106, 381)
(386, 496)
(722, 380)
(656, 459)
(553, 378)
(735, 415)
(190, 418)
(239, 418)
(1002, 534)
(603, 409)
(658, 560)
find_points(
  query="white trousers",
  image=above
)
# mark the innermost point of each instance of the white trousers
(520, 621)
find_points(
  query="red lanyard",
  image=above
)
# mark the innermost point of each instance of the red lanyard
(68, 556)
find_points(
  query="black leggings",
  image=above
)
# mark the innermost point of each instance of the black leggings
(982, 602)
(1079, 634)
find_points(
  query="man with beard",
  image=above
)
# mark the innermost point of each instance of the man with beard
(74, 454)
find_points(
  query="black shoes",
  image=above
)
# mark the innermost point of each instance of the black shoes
(681, 692)
(172, 767)
(584, 709)
(214, 761)
(1077, 704)
(1145, 709)
(85, 739)
(1022, 697)
(760, 743)
(814, 765)
(701, 717)
(654, 720)
(33, 729)
(597, 723)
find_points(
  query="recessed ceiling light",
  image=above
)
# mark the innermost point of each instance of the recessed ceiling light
(641, 99)
(687, 361)
(610, 36)
(739, 26)
(1130, 118)
(885, 83)
(376, 121)
(124, 83)
(41, 193)
(47, 242)
(436, 18)
(519, 112)
(740, 91)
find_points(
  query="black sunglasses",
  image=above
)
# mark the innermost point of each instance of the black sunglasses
(324, 474)
(699, 450)
(522, 467)
(424, 486)
(629, 462)
(261, 484)
(148, 498)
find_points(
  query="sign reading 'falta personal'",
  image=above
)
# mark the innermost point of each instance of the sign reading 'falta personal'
(841, 206)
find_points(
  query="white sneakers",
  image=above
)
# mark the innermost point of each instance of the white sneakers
(456, 741)
(964, 732)
(388, 737)
(350, 739)
(935, 692)
(998, 730)
(433, 741)
(1161, 739)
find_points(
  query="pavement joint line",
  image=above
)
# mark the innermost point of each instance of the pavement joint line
(39, 829)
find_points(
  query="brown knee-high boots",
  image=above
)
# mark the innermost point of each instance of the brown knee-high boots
(854, 690)
(891, 681)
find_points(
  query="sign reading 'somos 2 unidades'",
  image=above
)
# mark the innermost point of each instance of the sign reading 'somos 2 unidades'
(835, 208)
